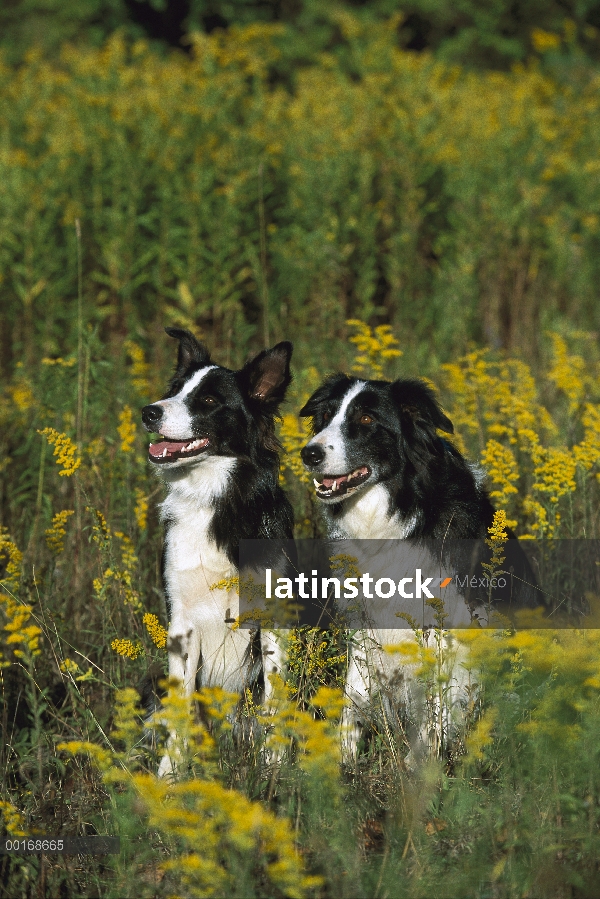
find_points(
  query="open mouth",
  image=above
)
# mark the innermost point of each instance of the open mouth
(340, 485)
(172, 450)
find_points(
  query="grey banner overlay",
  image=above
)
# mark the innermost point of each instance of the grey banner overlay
(397, 584)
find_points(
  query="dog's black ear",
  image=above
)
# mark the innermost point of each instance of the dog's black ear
(190, 349)
(310, 407)
(321, 394)
(417, 401)
(266, 377)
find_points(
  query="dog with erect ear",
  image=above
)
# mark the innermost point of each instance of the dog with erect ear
(217, 453)
(382, 472)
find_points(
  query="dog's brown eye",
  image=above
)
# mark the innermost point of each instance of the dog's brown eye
(326, 416)
(209, 400)
(366, 420)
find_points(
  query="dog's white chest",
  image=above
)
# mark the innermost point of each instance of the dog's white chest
(190, 545)
(193, 562)
(201, 612)
(193, 566)
(368, 518)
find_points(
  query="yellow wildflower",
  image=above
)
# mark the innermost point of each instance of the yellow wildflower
(100, 530)
(141, 508)
(69, 667)
(501, 465)
(567, 372)
(294, 433)
(543, 41)
(10, 552)
(64, 449)
(12, 819)
(532, 508)
(482, 734)
(126, 430)
(156, 630)
(129, 563)
(497, 537)
(62, 363)
(21, 634)
(126, 648)
(22, 396)
(55, 535)
(587, 453)
(373, 345)
(555, 472)
(139, 367)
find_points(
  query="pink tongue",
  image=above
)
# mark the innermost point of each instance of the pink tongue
(329, 482)
(172, 446)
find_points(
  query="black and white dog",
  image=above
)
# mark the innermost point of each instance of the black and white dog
(218, 456)
(382, 472)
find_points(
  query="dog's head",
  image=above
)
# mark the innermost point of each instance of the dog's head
(209, 410)
(366, 432)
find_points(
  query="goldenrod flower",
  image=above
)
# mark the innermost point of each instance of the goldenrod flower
(156, 630)
(10, 551)
(100, 530)
(482, 734)
(126, 430)
(141, 508)
(22, 636)
(62, 363)
(12, 819)
(555, 472)
(374, 346)
(69, 667)
(501, 465)
(568, 372)
(543, 41)
(139, 367)
(64, 449)
(22, 396)
(55, 535)
(294, 433)
(126, 648)
(129, 563)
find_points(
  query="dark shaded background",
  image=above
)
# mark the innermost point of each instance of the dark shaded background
(493, 34)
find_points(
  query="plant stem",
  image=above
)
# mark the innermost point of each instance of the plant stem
(263, 256)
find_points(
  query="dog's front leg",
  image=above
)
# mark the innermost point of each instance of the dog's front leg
(183, 644)
(273, 647)
(184, 647)
(274, 651)
(357, 693)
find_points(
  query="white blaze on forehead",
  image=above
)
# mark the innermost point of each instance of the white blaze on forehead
(350, 394)
(176, 422)
(193, 382)
(331, 438)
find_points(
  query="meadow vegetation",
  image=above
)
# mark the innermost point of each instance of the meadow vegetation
(514, 810)
(383, 210)
(379, 184)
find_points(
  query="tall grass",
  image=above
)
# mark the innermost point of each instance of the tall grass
(514, 812)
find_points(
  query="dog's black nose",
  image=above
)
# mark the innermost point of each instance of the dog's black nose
(151, 415)
(312, 454)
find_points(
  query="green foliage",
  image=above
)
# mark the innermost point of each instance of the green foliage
(26, 24)
(453, 206)
(497, 33)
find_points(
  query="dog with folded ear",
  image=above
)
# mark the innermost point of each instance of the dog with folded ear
(217, 453)
(383, 472)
